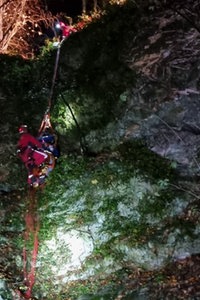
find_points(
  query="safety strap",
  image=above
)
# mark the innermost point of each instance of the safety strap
(46, 123)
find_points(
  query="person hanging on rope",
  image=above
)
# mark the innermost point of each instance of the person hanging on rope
(47, 136)
(30, 151)
(49, 142)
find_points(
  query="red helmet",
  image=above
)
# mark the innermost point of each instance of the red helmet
(23, 129)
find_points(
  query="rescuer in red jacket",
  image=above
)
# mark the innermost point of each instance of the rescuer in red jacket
(29, 149)
(64, 30)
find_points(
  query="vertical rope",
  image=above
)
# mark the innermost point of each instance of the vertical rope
(46, 120)
(54, 75)
(30, 235)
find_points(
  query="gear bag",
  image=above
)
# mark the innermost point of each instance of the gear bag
(39, 157)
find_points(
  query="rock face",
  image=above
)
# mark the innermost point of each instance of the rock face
(165, 106)
(162, 106)
(173, 131)
(100, 216)
(160, 50)
(177, 140)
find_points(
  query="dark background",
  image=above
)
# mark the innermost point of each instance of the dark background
(72, 8)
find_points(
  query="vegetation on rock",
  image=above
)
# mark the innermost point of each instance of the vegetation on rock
(130, 216)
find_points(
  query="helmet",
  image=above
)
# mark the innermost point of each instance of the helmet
(23, 129)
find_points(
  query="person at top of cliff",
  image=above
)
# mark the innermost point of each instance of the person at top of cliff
(64, 30)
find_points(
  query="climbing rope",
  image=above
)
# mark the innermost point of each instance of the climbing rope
(31, 218)
(54, 75)
(46, 123)
(30, 236)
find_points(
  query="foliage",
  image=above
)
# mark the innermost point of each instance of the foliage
(21, 84)
(80, 190)
(156, 167)
(15, 74)
(20, 22)
(136, 177)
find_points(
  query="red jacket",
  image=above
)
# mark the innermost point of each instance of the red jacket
(26, 145)
(66, 29)
(26, 139)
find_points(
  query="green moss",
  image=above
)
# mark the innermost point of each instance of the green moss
(110, 183)
(138, 156)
